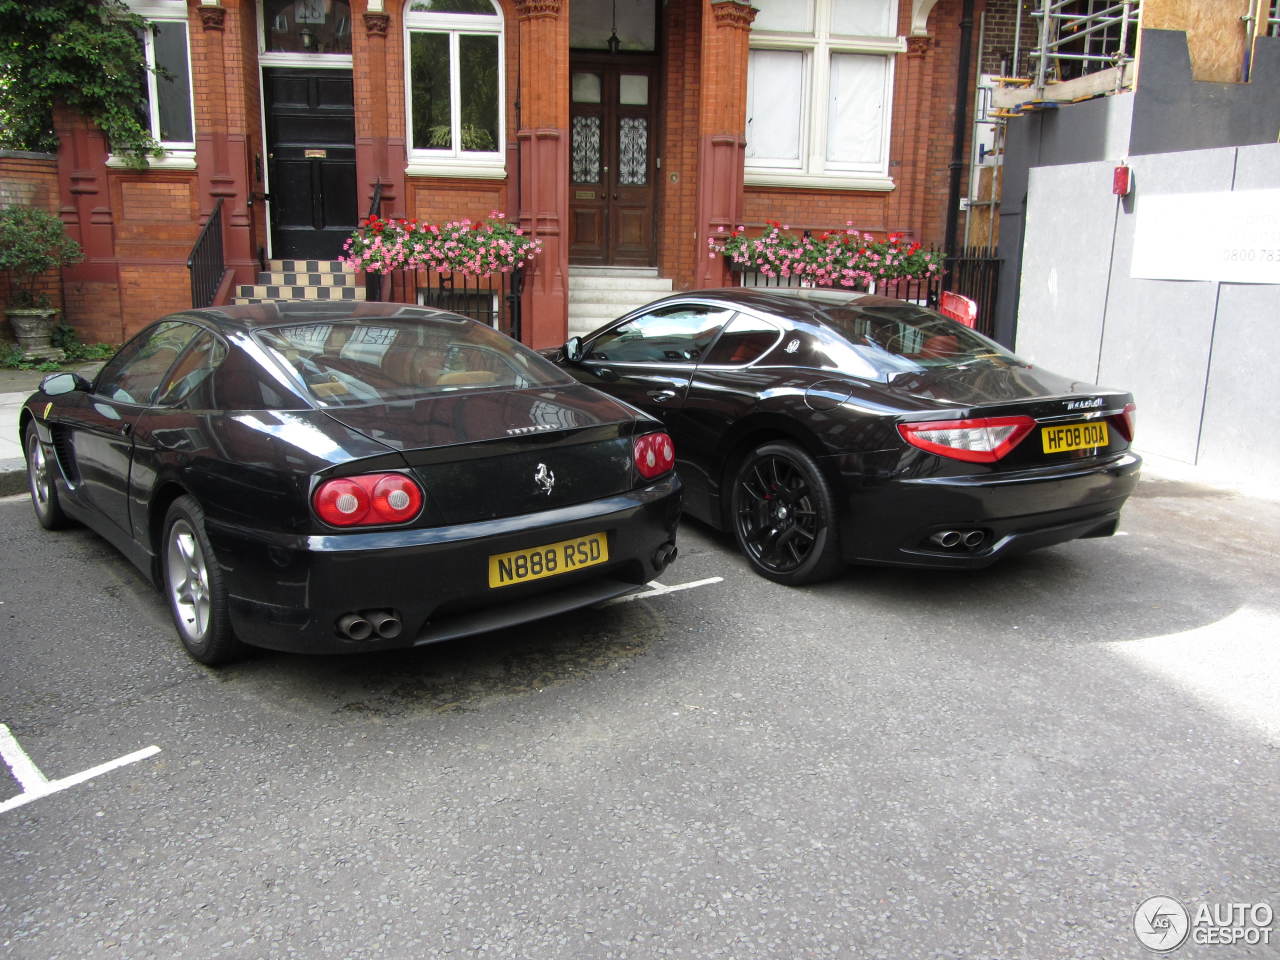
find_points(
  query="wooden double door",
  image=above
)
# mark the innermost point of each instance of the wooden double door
(612, 161)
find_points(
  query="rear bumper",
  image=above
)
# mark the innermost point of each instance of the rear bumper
(288, 593)
(892, 521)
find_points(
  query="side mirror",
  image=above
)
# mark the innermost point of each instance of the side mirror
(57, 384)
(573, 349)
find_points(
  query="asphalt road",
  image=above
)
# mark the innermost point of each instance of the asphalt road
(894, 765)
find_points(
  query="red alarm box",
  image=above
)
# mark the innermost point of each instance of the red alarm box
(1122, 181)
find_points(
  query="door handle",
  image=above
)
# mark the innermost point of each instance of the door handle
(661, 396)
(126, 429)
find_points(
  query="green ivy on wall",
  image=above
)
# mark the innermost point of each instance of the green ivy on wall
(84, 53)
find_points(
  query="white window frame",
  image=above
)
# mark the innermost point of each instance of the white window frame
(180, 154)
(812, 169)
(455, 162)
(307, 61)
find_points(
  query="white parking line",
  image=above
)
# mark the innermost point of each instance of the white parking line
(36, 785)
(658, 590)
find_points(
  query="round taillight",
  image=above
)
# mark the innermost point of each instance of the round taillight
(342, 503)
(396, 498)
(654, 455)
(370, 499)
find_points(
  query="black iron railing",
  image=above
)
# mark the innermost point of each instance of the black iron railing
(373, 281)
(975, 273)
(206, 262)
(493, 300)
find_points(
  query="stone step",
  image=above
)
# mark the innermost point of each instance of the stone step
(632, 289)
(273, 292)
(310, 279)
(658, 285)
(581, 270)
(602, 296)
(306, 266)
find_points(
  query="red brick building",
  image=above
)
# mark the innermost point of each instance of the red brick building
(623, 132)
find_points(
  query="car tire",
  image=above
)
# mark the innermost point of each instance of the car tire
(193, 586)
(41, 483)
(783, 516)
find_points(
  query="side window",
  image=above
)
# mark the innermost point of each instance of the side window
(746, 339)
(675, 334)
(189, 379)
(240, 384)
(138, 370)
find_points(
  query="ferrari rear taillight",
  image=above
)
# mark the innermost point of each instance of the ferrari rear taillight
(1127, 420)
(979, 440)
(368, 500)
(654, 455)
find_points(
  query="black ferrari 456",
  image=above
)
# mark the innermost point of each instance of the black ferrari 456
(825, 427)
(325, 478)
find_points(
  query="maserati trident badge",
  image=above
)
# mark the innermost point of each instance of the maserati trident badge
(544, 478)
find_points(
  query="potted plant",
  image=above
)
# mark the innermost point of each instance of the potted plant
(32, 242)
(460, 246)
(835, 258)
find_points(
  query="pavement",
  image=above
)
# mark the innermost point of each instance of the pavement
(17, 385)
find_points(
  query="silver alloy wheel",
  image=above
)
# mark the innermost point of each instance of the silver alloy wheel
(188, 581)
(38, 473)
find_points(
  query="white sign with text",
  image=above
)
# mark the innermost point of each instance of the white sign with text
(1227, 237)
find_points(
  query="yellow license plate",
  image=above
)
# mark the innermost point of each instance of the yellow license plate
(1074, 436)
(549, 560)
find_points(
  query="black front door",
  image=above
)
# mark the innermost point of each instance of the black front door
(311, 146)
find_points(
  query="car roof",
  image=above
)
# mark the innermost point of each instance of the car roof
(255, 316)
(793, 303)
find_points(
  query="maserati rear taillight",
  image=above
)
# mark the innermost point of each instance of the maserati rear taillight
(1126, 421)
(371, 499)
(654, 455)
(979, 440)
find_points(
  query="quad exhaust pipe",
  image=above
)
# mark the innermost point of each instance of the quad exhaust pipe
(959, 539)
(385, 624)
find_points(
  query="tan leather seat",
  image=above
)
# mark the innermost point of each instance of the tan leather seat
(467, 378)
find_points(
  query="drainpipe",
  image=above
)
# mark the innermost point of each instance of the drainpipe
(960, 127)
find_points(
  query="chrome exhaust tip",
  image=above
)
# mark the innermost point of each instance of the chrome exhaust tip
(974, 538)
(946, 538)
(355, 627)
(386, 624)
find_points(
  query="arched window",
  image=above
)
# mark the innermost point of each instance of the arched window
(455, 93)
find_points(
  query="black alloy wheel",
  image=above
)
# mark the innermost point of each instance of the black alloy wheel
(193, 586)
(44, 492)
(784, 516)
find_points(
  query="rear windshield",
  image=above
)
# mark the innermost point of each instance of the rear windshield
(902, 338)
(377, 360)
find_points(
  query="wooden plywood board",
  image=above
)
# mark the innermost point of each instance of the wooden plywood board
(1215, 33)
(983, 226)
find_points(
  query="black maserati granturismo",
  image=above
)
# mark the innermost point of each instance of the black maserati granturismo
(825, 427)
